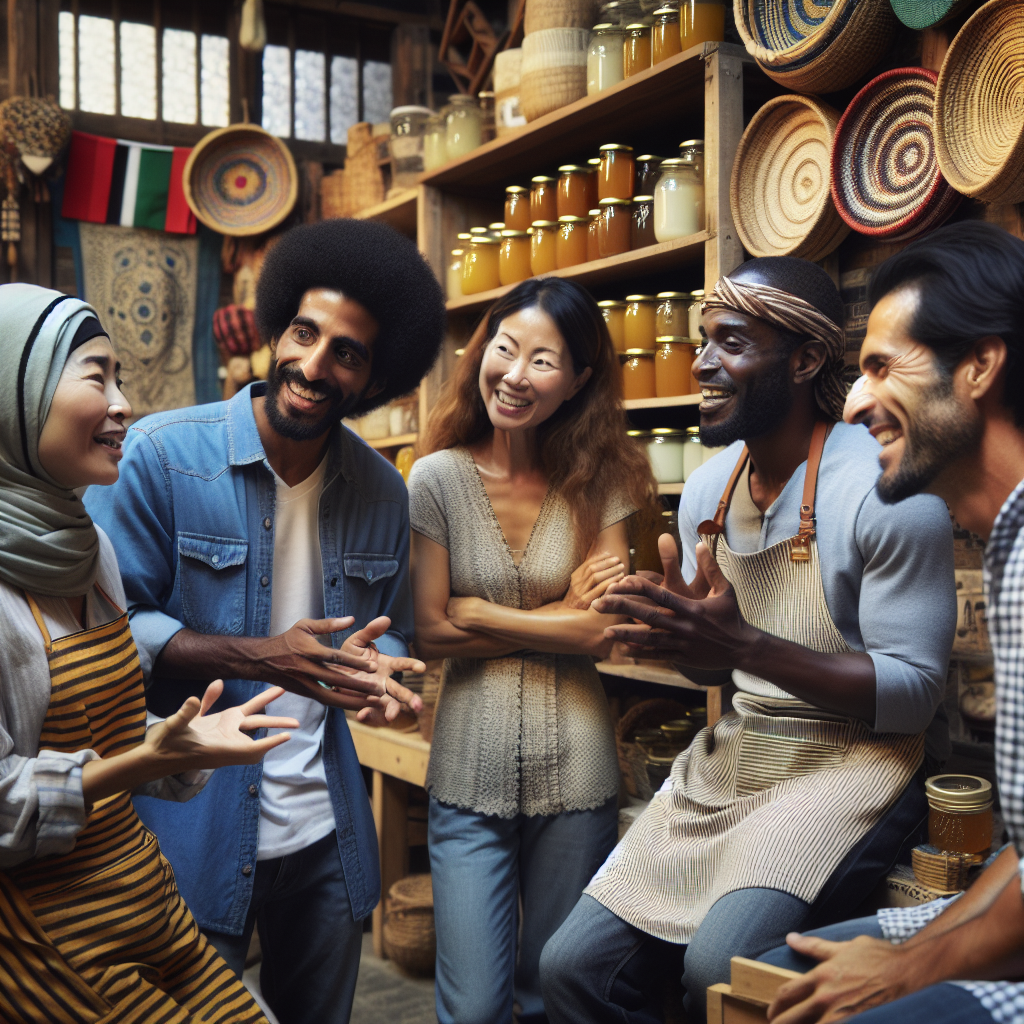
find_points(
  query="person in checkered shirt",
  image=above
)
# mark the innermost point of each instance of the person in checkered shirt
(943, 394)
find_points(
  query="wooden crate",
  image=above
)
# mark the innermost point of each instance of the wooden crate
(747, 998)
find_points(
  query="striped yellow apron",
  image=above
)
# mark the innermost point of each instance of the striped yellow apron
(779, 791)
(101, 934)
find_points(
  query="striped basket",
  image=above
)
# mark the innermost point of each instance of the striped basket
(921, 14)
(780, 190)
(543, 14)
(554, 70)
(809, 47)
(885, 178)
(979, 115)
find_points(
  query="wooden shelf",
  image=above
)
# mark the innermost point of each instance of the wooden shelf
(670, 488)
(396, 441)
(661, 403)
(649, 260)
(398, 212)
(648, 674)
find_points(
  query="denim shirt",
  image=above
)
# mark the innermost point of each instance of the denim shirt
(192, 521)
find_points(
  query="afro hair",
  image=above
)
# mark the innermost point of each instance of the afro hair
(378, 268)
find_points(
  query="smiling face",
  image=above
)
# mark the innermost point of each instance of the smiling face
(527, 371)
(80, 443)
(322, 364)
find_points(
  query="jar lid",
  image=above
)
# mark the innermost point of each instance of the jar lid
(643, 199)
(604, 26)
(697, 293)
(639, 352)
(458, 252)
(610, 147)
(478, 231)
(568, 219)
(411, 109)
(485, 94)
(594, 213)
(693, 432)
(648, 157)
(544, 224)
(498, 225)
(959, 793)
(611, 304)
(678, 161)
(594, 161)
(463, 236)
(517, 189)
(615, 202)
(692, 142)
(515, 234)
(459, 99)
(638, 433)
(573, 169)
(671, 339)
(662, 11)
(639, 298)
(636, 27)
(483, 240)
(673, 295)
(667, 431)
(542, 179)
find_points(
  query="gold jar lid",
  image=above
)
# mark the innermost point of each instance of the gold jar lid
(569, 219)
(678, 161)
(483, 240)
(543, 179)
(638, 352)
(573, 169)
(692, 142)
(673, 295)
(697, 293)
(667, 432)
(662, 12)
(509, 233)
(693, 432)
(637, 26)
(478, 231)
(498, 225)
(594, 161)
(611, 304)
(671, 339)
(615, 202)
(463, 236)
(648, 157)
(594, 213)
(643, 199)
(638, 433)
(544, 224)
(959, 794)
(639, 298)
(616, 147)
(517, 189)
(458, 252)
(604, 27)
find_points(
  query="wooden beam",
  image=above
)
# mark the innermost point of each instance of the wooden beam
(402, 755)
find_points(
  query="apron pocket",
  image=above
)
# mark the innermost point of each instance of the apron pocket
(765, 760)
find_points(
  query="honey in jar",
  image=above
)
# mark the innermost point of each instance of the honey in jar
(573, 191)
(514, 257)
(543, 198)
(959, 813)
(480, 265)
(454, 278)
(543, 257)
(640, 321)
(615, 229)
(614, 313)
(517, 208)
(571, 242)
(616, 172)
(593, 227)
(665, 38)
(636, 49)
(672, 359)
(638, 374)
(642, 231)
(672, 314)
(700, 23)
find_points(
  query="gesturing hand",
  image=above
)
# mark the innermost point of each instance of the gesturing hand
(592, 579)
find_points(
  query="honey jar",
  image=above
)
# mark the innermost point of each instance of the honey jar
(614, 313)
(616, 171)
(672, 314)
(543, 198)
(638, 374)
(454, 278)
(480, 265)
(573, 198)
(959, 813)
(517, 208)
(636, 49)
(694, 313)
(641, 232)
(700, 22)
(593, 227)
(648, 170)
(639, 322)
(672, 358)
(665, 38)
(495, 229)
(571, 242)
(591, 180)
(514, 257)
(543, 256)
(615, 229)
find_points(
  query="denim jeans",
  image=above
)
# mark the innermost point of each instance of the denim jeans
(310, 942)
(483, 867)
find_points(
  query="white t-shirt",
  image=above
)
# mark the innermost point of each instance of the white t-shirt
(295, 806)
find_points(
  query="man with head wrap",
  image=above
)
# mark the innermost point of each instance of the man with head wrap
(834, 615)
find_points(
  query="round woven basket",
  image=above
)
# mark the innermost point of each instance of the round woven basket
(979, 105)
(554, 70)
(781, 177)
(803, 51)
(409, 938)
(920, 14)
(885, 178)
(543, 14)
(240, 180)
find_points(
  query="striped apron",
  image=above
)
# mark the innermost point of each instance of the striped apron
(100, 934)
(779, 791)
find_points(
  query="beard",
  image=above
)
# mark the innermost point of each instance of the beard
(940, 435)
(336, 408)
(763, 406)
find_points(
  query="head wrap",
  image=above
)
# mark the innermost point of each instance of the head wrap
(791, 313)
(48, 544)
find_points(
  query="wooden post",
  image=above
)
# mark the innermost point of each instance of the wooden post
(390, 811)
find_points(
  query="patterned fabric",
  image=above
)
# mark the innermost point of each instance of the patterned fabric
(529, 733)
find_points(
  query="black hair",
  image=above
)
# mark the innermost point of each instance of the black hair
(378, 268)
(801, 278)
(969, 278)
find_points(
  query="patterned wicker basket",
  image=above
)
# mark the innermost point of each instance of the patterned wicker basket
(979, 116)
(542, 14)
(803, 51)
(409, 938)
(920, 14)
(781, 177)
(885, 179)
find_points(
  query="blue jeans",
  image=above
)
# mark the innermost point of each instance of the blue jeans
(310, 942)
(483, 866)
(937, 1004)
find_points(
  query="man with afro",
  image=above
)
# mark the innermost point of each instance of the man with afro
(262, 542)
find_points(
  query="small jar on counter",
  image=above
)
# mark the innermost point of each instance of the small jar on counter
(694, 314)
(640, 321)
(543, 241)
(665, 454)
(959, 813)
(480, 266)
(665, 41)
(454, 279)
(573, 192)
(616, 172)
(514, 257)
(435, 149)
(616, 227)
(517, 208)
(671, 316)
(571, 242)
(463, 126)
(543, 198)
(593, 229)
(642, 231)
(604, 58)
(693, 453)
(678, 201)
(648, 170)
(672, 359)
(636, 49)
(614, 313)
(638, 373)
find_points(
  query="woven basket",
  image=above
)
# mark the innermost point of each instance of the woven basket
(885, 180)
(647, 714)
(979, 116)
(508, 70)
(920, 14)
(544, 14)
(802, 51)
(408, 934)
(554, 70)
(781, 177)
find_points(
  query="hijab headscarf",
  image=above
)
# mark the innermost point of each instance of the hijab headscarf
(48, 543)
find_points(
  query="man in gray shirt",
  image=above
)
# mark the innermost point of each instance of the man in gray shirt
(831, 613)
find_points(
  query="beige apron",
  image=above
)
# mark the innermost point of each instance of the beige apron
(779, 791)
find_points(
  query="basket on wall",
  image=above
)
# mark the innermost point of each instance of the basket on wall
(408, 933)
(554, 70)
(780, 191)
(921, 14)
(886, 181)
(805, 52)
(979, 113)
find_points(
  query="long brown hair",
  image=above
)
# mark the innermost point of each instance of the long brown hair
(584, 450)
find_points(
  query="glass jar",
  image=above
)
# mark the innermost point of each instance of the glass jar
(495, 228)
(959, 813)
(639, 321)
(572, 191)
(671, 316)
(455, 274)
(604, 58)
(543, 256)
(636, 49)
(408, 128)
(614, 313)
(638, 373)
(621, 12)
(404, 460)
(672, 359)
(615, 228)
(571, 242)
(477, 231)
(616, 172)
(517, 208)
(485, 100)
(543, 198)
(648, 170)
(514, 257)
(463, 126)
(678, 201)
(435, 149)
(593, 249)
(642, 230)
(591, 181)
(700, 22)
(665, 38)
(694, 314)
(480, 266)
(693, 453)
(693, 150)
(665, 454)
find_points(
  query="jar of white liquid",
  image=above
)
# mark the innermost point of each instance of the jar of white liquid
(665, 452)
(604, 58)
(678, 200)
(693, 452)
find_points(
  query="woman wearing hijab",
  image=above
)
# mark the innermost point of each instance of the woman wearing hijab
(92, 928)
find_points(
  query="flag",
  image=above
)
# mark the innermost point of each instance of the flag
(109, 181)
